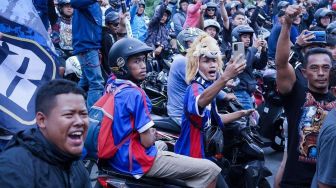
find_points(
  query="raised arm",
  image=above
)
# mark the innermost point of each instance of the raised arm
(285, 72)
(194, 8)
(225, 17)
(233, 68)
(82, 4)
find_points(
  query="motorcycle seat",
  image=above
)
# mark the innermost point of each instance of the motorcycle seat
(150, 181)
(166, 124)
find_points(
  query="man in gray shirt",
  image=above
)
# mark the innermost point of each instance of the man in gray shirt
(325, 175)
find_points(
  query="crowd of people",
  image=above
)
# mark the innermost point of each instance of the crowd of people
(109, 44)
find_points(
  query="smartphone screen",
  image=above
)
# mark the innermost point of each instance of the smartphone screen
(237, 49)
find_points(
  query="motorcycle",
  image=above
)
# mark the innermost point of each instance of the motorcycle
(272, 118)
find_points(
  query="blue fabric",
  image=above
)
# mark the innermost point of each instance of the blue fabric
(194, 121)
(91, 76)
(176, 87)
(131, 107)
(138, 24)
(273, 38)
(86, 25)
(3, 143)
(245, 99)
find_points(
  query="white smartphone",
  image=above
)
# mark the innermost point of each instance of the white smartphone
(237, 49)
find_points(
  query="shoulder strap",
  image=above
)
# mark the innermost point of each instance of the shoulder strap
(105, 137)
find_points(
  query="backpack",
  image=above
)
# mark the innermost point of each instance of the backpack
(99, 142)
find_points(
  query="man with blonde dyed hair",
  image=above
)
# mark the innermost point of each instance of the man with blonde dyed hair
(204, 75)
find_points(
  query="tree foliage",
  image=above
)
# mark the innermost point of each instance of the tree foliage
(150, 7)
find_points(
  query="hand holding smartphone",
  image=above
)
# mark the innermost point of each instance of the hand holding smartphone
(237, 49)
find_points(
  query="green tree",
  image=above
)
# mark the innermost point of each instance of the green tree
(150, 7)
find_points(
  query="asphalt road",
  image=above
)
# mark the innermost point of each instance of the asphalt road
(273, 160)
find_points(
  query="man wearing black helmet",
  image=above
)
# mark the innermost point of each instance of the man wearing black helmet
(247, 84)
(305, 107)
(138, 156)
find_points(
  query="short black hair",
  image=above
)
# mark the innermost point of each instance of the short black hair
(314, 51)
(332, 77)
(236, 14)
(46, 94)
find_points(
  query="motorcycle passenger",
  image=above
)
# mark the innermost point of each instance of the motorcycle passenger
(206, 79)
(138, 156)
(138, 20)
(176, 86)
(212, 28)
(238, 18)
(323, 17)
(158, 33)
(110, 30)
(180, 17)
(305, 107)
(49, 154)
(331, 40)
(256, 58)
(62, 31)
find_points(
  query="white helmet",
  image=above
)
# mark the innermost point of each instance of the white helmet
(72, 65)
(212, 23)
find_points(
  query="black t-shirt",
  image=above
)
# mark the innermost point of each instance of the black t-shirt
(305, 111)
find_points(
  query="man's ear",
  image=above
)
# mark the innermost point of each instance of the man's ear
(40, 120)
(304, 72)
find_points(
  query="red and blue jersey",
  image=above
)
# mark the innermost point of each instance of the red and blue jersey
(194, 121)
(131, 114)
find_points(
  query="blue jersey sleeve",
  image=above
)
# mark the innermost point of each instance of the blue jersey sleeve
(139, 106)
(193, 93)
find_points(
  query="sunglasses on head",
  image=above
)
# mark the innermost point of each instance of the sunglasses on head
(211, 9)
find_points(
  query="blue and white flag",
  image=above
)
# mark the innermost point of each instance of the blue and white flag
(27, 60)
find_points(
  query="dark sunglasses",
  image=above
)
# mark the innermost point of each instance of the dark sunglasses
(211, 9)
(114, 24)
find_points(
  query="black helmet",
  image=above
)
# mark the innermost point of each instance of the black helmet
(211, 5)
(189, 34)
(331, 34)
(249, 7)
(121, 51)
(213, 23)
(282, 4)
(239, 30)
(322, 12)
(111, 17)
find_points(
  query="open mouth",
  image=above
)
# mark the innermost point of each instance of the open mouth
(212, 73)
(76, 137)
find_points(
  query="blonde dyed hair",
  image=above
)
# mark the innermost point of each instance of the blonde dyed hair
(204, 44)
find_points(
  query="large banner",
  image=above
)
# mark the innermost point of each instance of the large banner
(26, 61)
